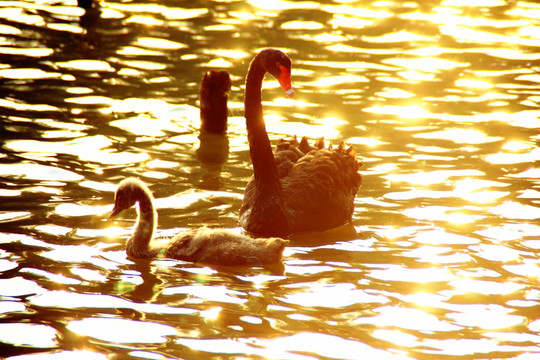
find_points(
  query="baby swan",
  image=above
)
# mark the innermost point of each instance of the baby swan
(204, 245)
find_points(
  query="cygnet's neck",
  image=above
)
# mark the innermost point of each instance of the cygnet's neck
(138, 245)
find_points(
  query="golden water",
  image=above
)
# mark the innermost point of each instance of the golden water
(440, 98)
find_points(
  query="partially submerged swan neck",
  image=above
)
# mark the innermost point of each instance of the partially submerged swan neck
(129, 192)
(279, 65)
(213, 101)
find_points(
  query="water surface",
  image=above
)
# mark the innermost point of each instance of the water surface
(440, 99)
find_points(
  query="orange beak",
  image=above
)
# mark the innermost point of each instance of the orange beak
(285, 81)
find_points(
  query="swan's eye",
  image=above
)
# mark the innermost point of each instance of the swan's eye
(122, 200)
(119, 201)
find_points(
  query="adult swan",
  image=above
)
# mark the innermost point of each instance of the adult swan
(304, 188)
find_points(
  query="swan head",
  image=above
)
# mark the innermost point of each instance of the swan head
(278, 64)
(128, 193)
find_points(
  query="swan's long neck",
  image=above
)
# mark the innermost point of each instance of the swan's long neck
(138, 245)
(260, 150)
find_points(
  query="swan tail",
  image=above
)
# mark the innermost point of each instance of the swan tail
(277, 245)
(270, 251)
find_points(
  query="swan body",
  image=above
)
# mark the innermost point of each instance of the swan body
(301, 187)
(204, 245)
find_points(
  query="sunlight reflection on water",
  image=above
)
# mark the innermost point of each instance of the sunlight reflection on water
(439, 99)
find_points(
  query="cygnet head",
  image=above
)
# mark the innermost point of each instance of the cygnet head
(129, 192)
